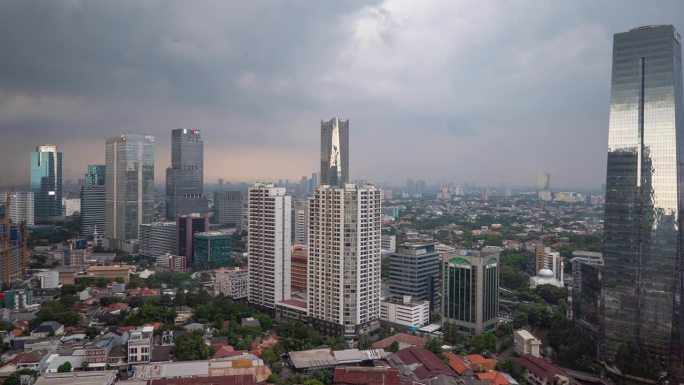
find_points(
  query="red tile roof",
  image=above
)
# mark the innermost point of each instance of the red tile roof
(366, 376)
(458, 363)
(117, 306)
(493, 377)
(240, 379)
(480, 363)
(431, 365)
(401, 338)
(17, 332)
(539, 367)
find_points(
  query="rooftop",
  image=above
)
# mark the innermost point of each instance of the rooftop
(78, 378)
(539, 367)
(426, 363)
(241, 379)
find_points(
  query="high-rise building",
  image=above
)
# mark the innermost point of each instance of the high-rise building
(185, 177)
(414, 272)
(228, 209)
(13, 259)
(129, 182)
(20, 207)
(212, 250)
(300, 220)
(46, 182)
(300, 261)
(470, 281)
(186, 227)
(268, 244)
(344, 259)
(93, 201)
(585, 292)
(157, 239)
(642, 249)
(335, 152)
(543, 181)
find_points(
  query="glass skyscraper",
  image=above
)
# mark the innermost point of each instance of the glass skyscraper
(335, 152)
(46, 182)
(185, 177)
(642, 251)
(129, 182)
(93, 198)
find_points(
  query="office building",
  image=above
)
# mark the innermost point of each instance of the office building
(21, 205)
(543, 181)
(187, 226)
(335, 152)
(93, 201)
(549, 267)
(344, 259)
(268, 244)
(229, 209)
(642, 248)
(18, 299)
(158, 239)
(48, 279)
(470, 297)
(233, 283)
(525, 343)
(299, 276)
(212, 250)
(300, 220)
(585, 293)
(405, 311)
(46, 182)
(388, 243)
(185, 177)
(172, 262)
(129, 183)
(414, 271)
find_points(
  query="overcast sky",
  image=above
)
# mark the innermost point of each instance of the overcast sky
(465, 91)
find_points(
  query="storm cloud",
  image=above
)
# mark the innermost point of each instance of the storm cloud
(469, 90)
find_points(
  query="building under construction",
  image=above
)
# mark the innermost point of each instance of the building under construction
(13, 247)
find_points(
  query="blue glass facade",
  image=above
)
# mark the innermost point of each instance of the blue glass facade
(642, 279)
(46, 182)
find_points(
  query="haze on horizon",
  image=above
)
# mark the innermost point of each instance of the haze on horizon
(466, 91)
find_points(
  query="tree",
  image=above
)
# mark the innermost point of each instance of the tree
(272, 378)
(312, 381)
(64, 368)
(191, 347)
(434, 345)
(365, 341)
(511, 366)
(394, 347)
(92, 332)
(636, 360)
(15, 378)
(485, 342)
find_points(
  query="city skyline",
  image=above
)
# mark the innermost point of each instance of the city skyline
(193, 72)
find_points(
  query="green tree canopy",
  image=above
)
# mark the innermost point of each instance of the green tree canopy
(191, 347)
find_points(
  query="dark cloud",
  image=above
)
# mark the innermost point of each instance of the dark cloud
(457, 90)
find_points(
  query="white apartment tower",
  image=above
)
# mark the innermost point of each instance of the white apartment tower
(344, 259)
(269, 243)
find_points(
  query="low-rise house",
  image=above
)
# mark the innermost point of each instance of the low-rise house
(97, 353)
(423, 363)
(34, 360)
(77, 360)
(353, 375)
(404, 340)
(540, 372)
(140, 345)
(48, 328)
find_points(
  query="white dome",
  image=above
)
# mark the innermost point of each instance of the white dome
(545, 273)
